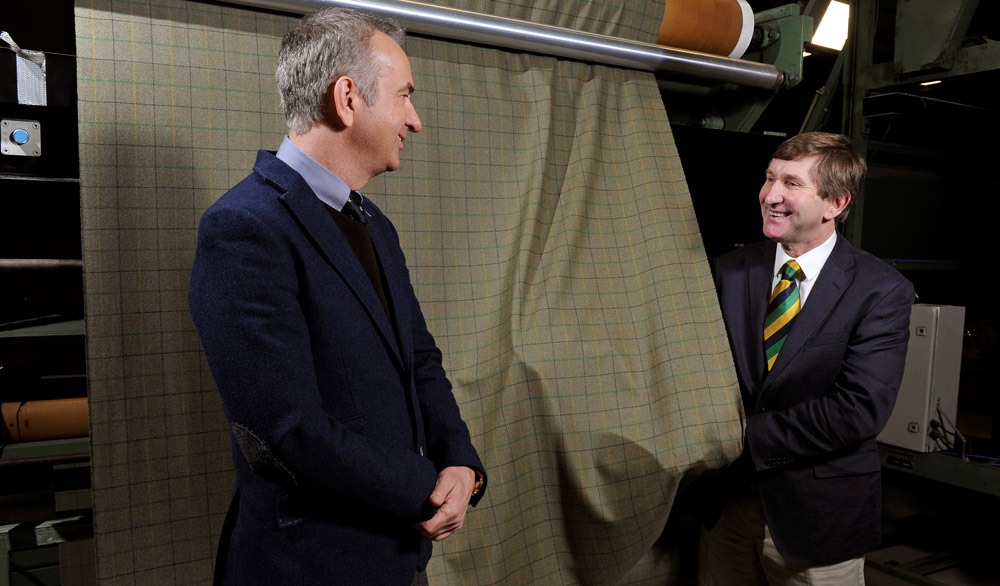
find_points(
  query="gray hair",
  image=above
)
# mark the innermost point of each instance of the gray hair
(323, 47)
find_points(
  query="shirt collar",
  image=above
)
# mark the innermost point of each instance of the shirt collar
(811, 262)
(329, 188)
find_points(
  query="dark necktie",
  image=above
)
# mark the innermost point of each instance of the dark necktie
(354, 209)
(781, 311)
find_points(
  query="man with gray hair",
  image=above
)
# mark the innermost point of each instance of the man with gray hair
(350, 452)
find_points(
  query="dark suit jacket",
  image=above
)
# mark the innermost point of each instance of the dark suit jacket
(340, 424)
(812, 421)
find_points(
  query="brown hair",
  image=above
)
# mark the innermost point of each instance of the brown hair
(839, 169)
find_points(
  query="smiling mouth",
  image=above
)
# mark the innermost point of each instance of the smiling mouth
(775, 214)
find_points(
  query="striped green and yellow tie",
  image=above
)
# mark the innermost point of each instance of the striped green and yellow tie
(782, 309)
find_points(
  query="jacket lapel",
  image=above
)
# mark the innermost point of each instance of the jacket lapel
(319, 227)
(396, 282)
(836, 275)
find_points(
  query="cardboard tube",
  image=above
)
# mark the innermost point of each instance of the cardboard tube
(28, 421)
(718, 27)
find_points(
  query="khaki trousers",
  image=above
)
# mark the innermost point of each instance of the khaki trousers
(739, 551)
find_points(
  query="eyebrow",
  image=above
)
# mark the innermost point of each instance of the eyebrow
(783, 176)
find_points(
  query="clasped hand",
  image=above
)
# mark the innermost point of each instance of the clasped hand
(451, 496)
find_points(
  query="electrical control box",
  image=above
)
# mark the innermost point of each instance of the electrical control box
(923, 419)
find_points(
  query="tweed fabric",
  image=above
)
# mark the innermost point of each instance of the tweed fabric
(551, 239)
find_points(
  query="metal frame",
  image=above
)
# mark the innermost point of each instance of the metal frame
(462, 25)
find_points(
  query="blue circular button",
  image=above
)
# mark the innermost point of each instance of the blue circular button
(19, 136)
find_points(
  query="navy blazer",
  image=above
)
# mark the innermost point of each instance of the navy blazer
(812, 421)
(340, 423)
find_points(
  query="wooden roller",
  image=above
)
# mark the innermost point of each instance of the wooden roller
(718, 27)
(28, 421)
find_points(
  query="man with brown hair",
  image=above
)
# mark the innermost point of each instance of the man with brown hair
(818, 331)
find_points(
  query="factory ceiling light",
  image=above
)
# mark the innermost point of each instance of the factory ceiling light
(832, 30)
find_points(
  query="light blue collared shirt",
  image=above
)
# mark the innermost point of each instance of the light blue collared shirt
(330, 189)
(811, 264)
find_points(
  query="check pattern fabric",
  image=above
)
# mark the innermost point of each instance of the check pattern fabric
(557, 259)
(781, 311)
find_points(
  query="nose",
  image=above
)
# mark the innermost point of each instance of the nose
(413, 119)
(770, 194)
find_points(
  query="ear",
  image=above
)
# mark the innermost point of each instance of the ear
(341, 101)
(836, 205)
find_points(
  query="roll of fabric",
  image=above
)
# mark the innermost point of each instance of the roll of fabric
(27, 421)
(718, 27)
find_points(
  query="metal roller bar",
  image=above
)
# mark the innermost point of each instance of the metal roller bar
(462, 25)
(13, 264)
